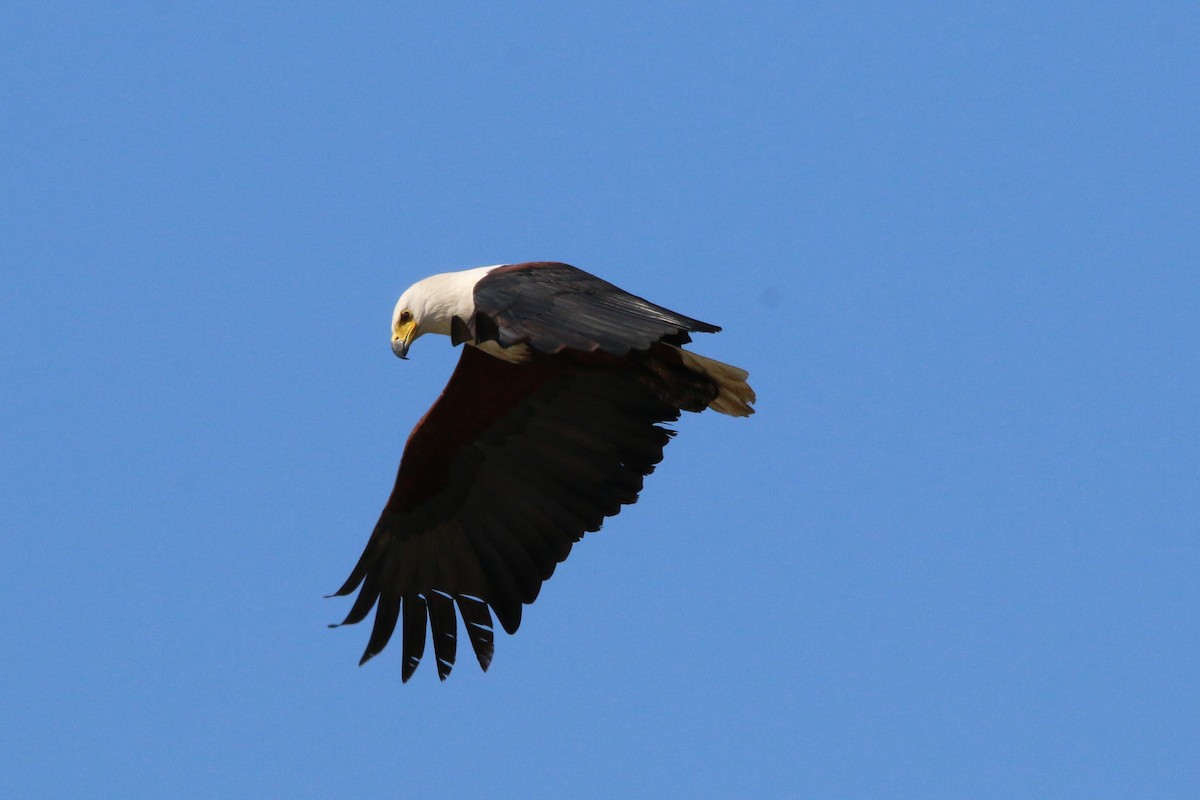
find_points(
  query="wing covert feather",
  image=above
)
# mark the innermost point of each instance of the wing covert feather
(555, 307)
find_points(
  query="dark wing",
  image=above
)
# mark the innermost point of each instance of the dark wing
(511, 466)
(555, 307)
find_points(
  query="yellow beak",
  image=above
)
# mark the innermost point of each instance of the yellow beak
(402, 336)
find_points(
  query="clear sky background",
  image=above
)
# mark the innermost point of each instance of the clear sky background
(955, 554)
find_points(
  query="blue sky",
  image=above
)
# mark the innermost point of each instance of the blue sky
(955, 554)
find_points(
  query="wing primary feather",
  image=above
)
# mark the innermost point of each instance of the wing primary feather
(502, 592)
(443, 622)
(414, 635)
(385, 622)
(449, 573)
(473, 579)
(477, 621)
(381, 537)
(367, 596)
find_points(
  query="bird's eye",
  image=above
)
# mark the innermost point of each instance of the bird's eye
(406, 316)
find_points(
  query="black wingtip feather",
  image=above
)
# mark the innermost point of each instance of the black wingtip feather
(363, 603)
(478, 622)
(413, 643)
(443, 622)
(385, 622)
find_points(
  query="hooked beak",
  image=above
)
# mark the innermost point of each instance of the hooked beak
(402, 336)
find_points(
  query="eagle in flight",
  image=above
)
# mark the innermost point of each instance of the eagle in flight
(548, 425)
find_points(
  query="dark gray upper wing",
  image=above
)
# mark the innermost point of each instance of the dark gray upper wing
(554, 307)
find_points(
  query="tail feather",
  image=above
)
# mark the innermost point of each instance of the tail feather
(734, 395)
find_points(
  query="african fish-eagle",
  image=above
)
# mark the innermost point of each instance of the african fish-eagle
(548, 425)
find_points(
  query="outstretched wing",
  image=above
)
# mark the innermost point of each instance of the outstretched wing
(555, 307)
(507, 470)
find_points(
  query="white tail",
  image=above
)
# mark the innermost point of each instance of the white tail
(735, 395)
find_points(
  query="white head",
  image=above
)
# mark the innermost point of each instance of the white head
(431, 304)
